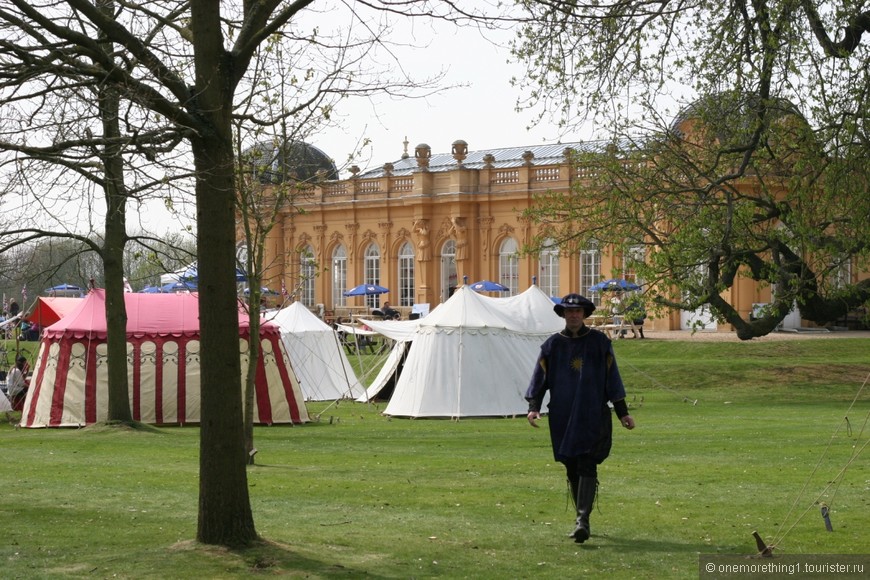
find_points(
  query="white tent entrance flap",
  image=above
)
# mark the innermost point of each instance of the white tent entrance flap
(324, 372)
(473, 356)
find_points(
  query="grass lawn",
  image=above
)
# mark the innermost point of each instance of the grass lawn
(731, 438)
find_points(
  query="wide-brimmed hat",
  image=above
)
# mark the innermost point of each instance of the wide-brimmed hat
(574, 301)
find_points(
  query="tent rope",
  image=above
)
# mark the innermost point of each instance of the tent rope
(656, 382)
(838, 479)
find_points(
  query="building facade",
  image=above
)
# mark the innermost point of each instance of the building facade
(427, 223)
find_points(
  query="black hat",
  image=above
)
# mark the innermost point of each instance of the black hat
(574, 301)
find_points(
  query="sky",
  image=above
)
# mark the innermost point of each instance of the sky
(479, 108)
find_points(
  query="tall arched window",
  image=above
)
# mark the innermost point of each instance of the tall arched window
(509, 266)
(307, 272)
(548, 268)
(633, 256)
(372, 272)
(448, 269)
(406, 275)
(590, 272)
(339, 276)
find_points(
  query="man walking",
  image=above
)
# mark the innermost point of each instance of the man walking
(578, 368)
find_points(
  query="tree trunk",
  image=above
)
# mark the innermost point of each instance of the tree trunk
(113, 251)
(225, 516)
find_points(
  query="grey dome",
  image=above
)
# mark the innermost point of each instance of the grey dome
(730, 112)
(296, 161)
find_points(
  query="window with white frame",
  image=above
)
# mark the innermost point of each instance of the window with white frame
(548, 268)
(307, 271)
(509, 266)
(339, 276)
(449, 279)
(590, 272)
(406, 275)
(372, 273)
(840, 274)
(633, 256)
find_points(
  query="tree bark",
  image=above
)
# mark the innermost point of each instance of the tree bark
(113, 249)
(225, 516)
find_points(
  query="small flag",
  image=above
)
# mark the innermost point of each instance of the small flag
(284, 292)
(24, 295)
(5, 304)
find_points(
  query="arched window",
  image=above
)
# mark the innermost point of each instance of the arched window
(509, 266)
(372, 272)
(548, 268)
(633, 256)
(448, 269)
(590, 271)
(406, 275)
(339, 276)
(307, 272)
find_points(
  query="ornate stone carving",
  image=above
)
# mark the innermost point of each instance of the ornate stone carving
(421, 231)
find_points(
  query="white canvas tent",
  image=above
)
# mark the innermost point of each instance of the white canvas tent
(320, 363)
(472, 356)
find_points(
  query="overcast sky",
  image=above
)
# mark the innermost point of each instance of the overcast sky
(482, 112)
(480, 109)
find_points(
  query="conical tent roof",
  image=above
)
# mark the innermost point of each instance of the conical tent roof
(473, 356)
(324, 372)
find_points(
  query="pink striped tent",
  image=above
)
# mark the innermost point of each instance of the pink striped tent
(70, 383)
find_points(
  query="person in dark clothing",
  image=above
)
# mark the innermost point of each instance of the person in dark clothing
(578, 368)
(390, 313)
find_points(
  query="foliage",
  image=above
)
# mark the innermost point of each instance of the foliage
(737, 135)
(359, 494)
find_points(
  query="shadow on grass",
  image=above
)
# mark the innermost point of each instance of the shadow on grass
(273, 558)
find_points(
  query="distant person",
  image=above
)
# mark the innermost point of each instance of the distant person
(390, 313)
(16, 383)
(14, 309)
(635, 310)
(577, 366)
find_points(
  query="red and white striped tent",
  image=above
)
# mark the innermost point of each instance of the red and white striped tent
(70, 380)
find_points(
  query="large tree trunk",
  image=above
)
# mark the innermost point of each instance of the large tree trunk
(113, 251)
(225, 516)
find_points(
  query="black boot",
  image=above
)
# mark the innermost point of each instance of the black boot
(584, 500)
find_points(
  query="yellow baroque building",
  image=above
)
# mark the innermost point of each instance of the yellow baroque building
(427, 223)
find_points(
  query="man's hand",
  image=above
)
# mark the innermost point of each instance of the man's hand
(533, 417)
(627, 422)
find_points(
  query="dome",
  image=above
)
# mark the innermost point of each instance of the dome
(296, 160)
(730, 112)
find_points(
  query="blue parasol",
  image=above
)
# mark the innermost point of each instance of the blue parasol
(180, 286)
(489, 286)
(64, 288)
(614, 284)
(192, 273)
(366, 290)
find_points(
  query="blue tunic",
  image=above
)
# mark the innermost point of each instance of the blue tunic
(581, 374)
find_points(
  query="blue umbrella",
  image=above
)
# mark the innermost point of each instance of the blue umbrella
(64, 288)
(614, 284)
(180, 286)
(366, 290)
(192, 273)
(488, 286)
